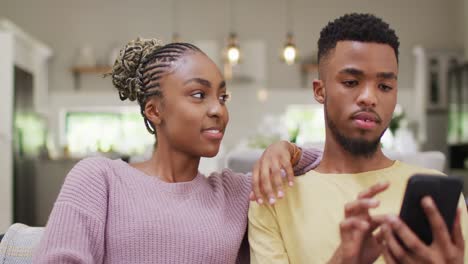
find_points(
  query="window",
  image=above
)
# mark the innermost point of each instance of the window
(30, 133)
(458, 124)
(121, 132)
(305, 123)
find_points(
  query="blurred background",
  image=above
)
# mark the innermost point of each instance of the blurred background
(56, 108)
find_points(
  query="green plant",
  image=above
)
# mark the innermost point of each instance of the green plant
(396, 121)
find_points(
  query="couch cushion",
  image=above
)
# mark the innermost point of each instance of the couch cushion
(18, 244)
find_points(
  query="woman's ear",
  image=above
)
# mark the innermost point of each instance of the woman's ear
(152, 111)
(319, 91)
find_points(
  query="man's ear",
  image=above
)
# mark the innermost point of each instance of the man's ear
(319, 91)
(153, 111)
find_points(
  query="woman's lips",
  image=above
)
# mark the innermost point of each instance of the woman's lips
(212, 133)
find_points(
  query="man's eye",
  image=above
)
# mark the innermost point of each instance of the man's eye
(385, 88)
(351, 83)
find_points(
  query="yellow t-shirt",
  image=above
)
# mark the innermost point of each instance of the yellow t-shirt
(303, 227)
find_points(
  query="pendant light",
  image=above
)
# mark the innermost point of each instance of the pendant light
(175, 22)
(289, 54)
(232, 51)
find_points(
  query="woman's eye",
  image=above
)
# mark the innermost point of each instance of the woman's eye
(198, 95)
(224, 98)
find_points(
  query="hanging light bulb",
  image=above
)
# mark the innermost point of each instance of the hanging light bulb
(232, 51)
(289, 54)
(175, 23)
(289, 50)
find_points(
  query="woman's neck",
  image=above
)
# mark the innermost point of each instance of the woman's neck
(170, 165)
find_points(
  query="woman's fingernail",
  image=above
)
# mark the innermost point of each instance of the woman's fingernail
(272, 200)
(283, 173)
(291, 184)
(280, 194)
(260, 201)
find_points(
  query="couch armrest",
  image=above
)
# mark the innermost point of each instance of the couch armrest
(19, 242)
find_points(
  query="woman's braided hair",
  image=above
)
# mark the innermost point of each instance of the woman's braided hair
(142, 63)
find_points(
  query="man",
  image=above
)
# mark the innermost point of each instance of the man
(325, 217)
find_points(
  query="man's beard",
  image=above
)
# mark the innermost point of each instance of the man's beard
(355, 146)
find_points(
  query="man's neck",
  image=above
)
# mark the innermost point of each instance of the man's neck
(337, 160)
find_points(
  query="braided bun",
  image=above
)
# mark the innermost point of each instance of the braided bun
(126, 72)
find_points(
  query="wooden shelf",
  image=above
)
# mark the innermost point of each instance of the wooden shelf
(309, 67)
(97, 70)
(92, 70)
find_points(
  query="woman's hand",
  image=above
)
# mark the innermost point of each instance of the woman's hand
(272, 169)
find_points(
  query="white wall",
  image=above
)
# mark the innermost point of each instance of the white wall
(104, 24)
(17, 49)
(463, 22)
(6, 116)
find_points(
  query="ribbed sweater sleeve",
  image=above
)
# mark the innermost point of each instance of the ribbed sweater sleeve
(310, 159)
(76, 226)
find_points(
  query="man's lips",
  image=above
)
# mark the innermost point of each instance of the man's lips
(366, 120)
(367, 117)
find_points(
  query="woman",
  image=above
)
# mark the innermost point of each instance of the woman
(162, 210)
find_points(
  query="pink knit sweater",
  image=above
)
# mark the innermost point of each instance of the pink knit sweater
(110, 212)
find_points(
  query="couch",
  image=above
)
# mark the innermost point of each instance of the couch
(18, 244)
